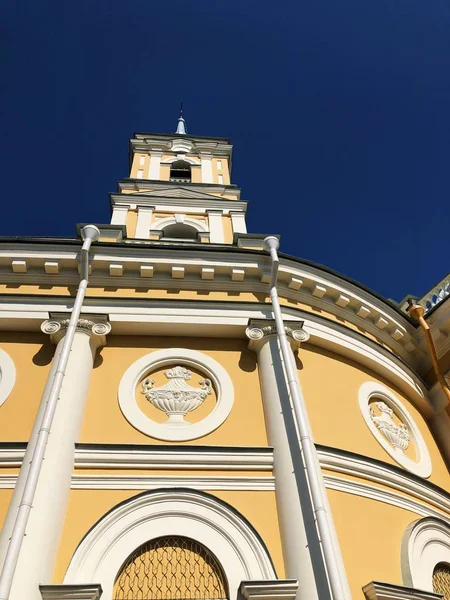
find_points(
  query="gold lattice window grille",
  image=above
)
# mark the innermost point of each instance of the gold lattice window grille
(441, 580)
(171, 568)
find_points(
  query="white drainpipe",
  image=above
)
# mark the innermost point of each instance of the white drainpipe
(311, 462)
(90, 234)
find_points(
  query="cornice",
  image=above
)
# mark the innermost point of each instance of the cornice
(224, 319)
(167, 204)
(234, 270)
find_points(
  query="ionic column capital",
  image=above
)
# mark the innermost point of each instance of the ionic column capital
(95, 326)
(261, 331)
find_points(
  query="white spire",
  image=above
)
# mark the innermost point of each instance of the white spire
(181, 122)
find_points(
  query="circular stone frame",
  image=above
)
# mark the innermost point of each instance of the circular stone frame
(7, 376)
(367, 391)
(190, 358)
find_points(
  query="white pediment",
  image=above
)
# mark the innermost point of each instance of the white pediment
(178, 192)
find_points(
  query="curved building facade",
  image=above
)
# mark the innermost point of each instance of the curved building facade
(196, 449)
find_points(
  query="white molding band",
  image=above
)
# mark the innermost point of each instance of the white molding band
(383, 473)
(153, 482)
(203, 518)
(170, 357)
(371, 390)
(7, 376)
(139, 457)
(425, 544)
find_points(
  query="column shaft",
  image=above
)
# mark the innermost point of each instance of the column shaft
(294, 516)
(45, 524)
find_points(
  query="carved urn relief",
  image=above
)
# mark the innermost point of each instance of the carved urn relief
(176, 398)
(397, 434)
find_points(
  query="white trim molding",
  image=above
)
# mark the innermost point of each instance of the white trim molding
(425, 544)
(71, 592)
(279, 589)
(143, 456)
(372, 390)
(209, 521)
(7, 376)
(181, 431)
(379, 590)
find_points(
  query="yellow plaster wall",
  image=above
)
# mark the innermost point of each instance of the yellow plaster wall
(165, 172)
(196, 175)
(86, 507)
(136, 166)
(370, 535)
(330, 384)
(131, 223)
(104, 422)
(223, 171)
(32, 354)
(227, 229)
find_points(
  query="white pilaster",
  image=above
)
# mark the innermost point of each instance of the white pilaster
(119, 216)
(238, 222)
(144, 220)
(293, 514)
(207, 174)
(44, 528)
(216, 226)
(154, 170)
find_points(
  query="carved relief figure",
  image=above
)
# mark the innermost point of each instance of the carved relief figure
(396, 434)
(176, 398)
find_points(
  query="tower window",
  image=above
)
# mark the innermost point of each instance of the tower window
(142, 160)
(180, 171)
(140, 174)
(220, 178)
(219, 164)
(180, 231)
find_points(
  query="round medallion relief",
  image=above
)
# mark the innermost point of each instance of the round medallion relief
(176, 394)
(394, 428)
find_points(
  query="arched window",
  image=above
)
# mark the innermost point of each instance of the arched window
(171, 568)
(180, 231)
(441, 580)
(180, 170)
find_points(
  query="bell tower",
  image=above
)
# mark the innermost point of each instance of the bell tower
(179, 190)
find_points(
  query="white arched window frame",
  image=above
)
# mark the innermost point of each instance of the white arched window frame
(426, 543)
(199, 516)
(370, 391)
(197, 224)
(7, 376)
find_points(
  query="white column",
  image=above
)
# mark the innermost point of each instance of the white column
(144, 220)
(154, 170)
(238, 222)
(119, 216)
(207, 174)
(297, 527)
(45, 524)
(216, 226)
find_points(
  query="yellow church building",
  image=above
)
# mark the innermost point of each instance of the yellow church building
(187, 413)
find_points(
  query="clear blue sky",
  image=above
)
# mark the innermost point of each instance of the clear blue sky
(349, 98)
